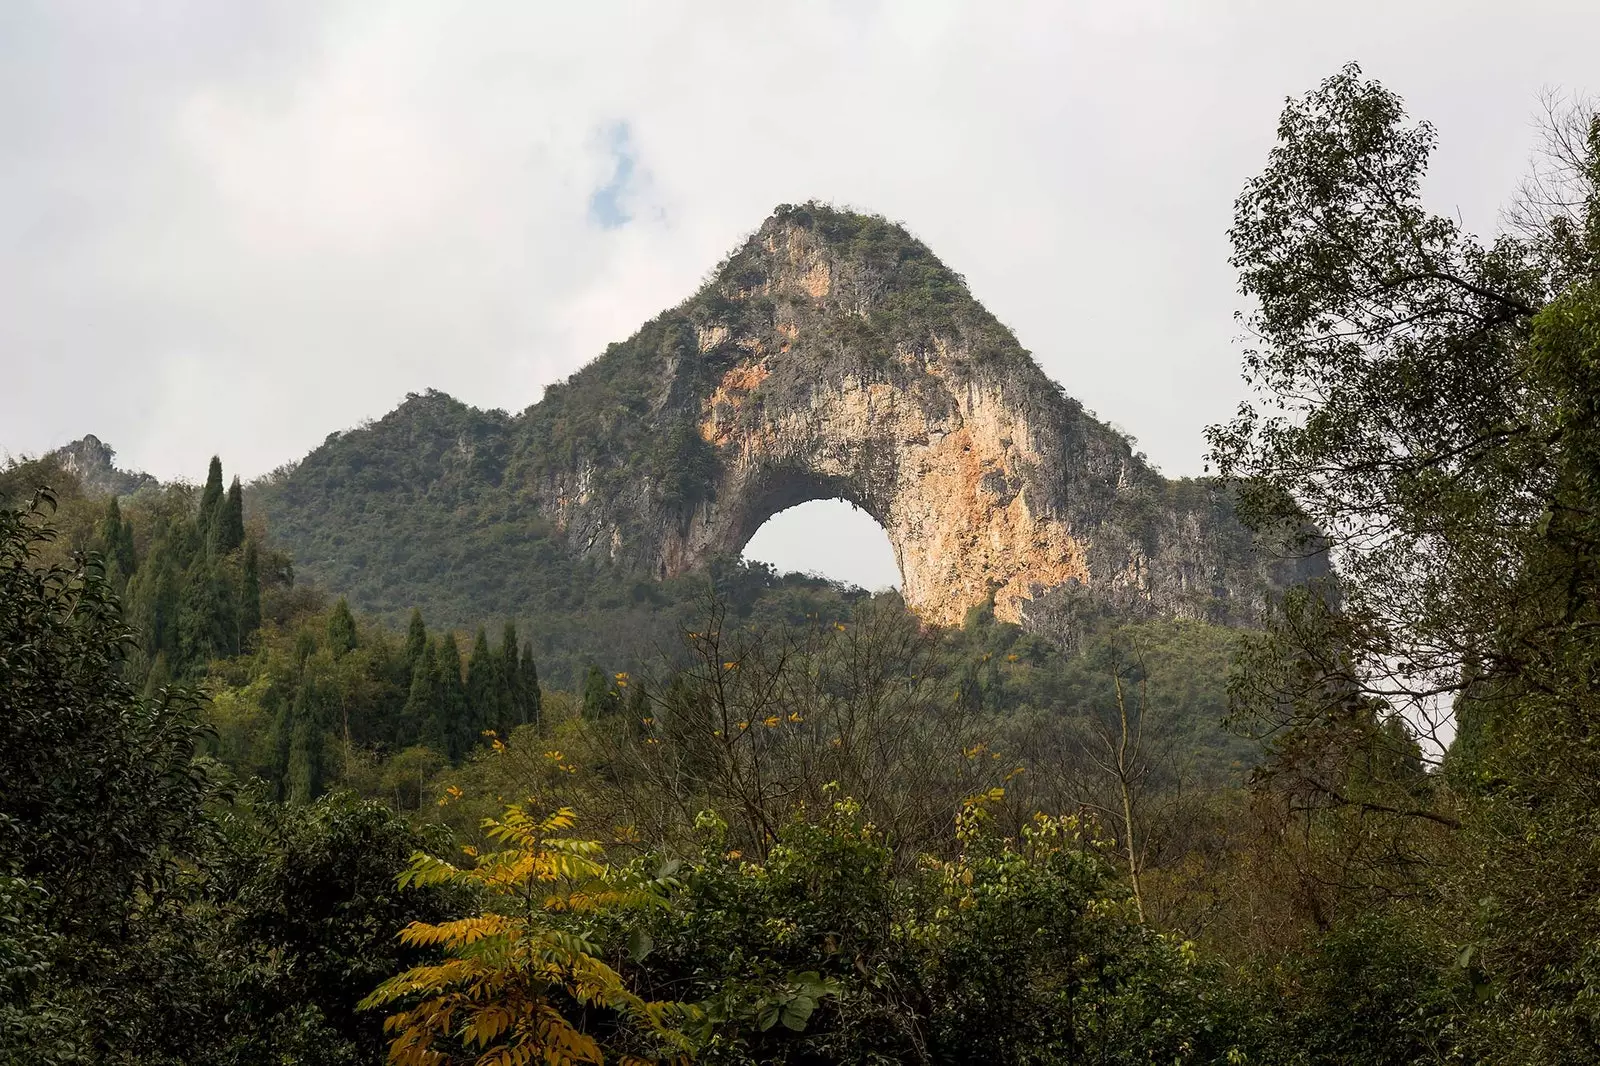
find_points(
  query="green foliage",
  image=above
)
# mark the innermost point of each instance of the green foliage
(1015, 951)
(1428, 401)
(308, 913)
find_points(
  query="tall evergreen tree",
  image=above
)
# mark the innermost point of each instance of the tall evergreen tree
(532, 700)
(114, 541)
(151, 607)
(484, 686)
(599, 697)
(418, 723)
(228, 531)
(249, 596)
(206, 623)
(341, 629)
(416, 639)
(282, 740)
(210, 498)
(513, 706)
(449, 716)
(307, 769)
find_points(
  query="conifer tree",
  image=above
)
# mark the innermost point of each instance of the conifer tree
(229, 528)
(307, 771)
(513, 706)
(282, 739)
(341, 629)
(449, 709)
(206, 623)
(416, 640)
(158, 675)
(210, 498)
(532, 700)
(249, 596)
(484, 707)
(418, 724)
(638, 708)
(114, 541)
(599, 698)
(151, 606)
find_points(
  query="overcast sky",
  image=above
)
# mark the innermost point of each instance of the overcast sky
(235, 228)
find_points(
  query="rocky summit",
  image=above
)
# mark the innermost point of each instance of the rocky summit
(831, 356)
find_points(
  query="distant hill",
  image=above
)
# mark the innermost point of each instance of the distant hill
(831, 355)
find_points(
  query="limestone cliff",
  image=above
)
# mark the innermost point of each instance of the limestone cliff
(832, 355)
(92, 462)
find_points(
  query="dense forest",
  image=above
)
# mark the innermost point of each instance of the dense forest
(745, 817)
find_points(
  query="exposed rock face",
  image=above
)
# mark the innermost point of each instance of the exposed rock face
(833, 356)
(90, 460)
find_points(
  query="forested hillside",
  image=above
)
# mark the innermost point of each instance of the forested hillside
(782, 821)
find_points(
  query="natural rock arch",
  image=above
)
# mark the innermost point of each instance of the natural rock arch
(834, 356)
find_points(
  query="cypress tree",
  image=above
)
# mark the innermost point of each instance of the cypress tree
(449, 710)
(638, 708)
(127, 561)
(158, 676)
(250, 596)
(416, 640)
(206, 623)
(151, 605)
(114, 541)
(282, 741)
(305, 646)
(532, 700)
(599, 698)
(513, 708)
(305, 762)
(416, 725)
(229, 527)
(109, 531)
(210, 498)
(484, 709)
(341, 629)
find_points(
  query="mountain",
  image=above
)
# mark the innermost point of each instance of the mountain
(832, 355)
(91, 462)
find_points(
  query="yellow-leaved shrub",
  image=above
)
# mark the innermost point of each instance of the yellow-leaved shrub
(497, 997)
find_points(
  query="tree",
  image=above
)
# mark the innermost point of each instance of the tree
(513, 971)
(249, 595)
(1426, 403)
(450, 726)
(532, 702)
(341, 629)
(516, 708)
(307, 770)
(485, 686)
(211, 500)
(416, 639)
(207, 625)
(114, 541)
(102, 801)
(302, 918)
(228, 529)
(418, 721)
(1394, 412)
(600, 697)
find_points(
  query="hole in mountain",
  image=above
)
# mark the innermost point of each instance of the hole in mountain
(832, 538)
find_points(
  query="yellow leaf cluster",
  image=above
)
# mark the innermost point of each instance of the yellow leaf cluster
(493, 1000)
